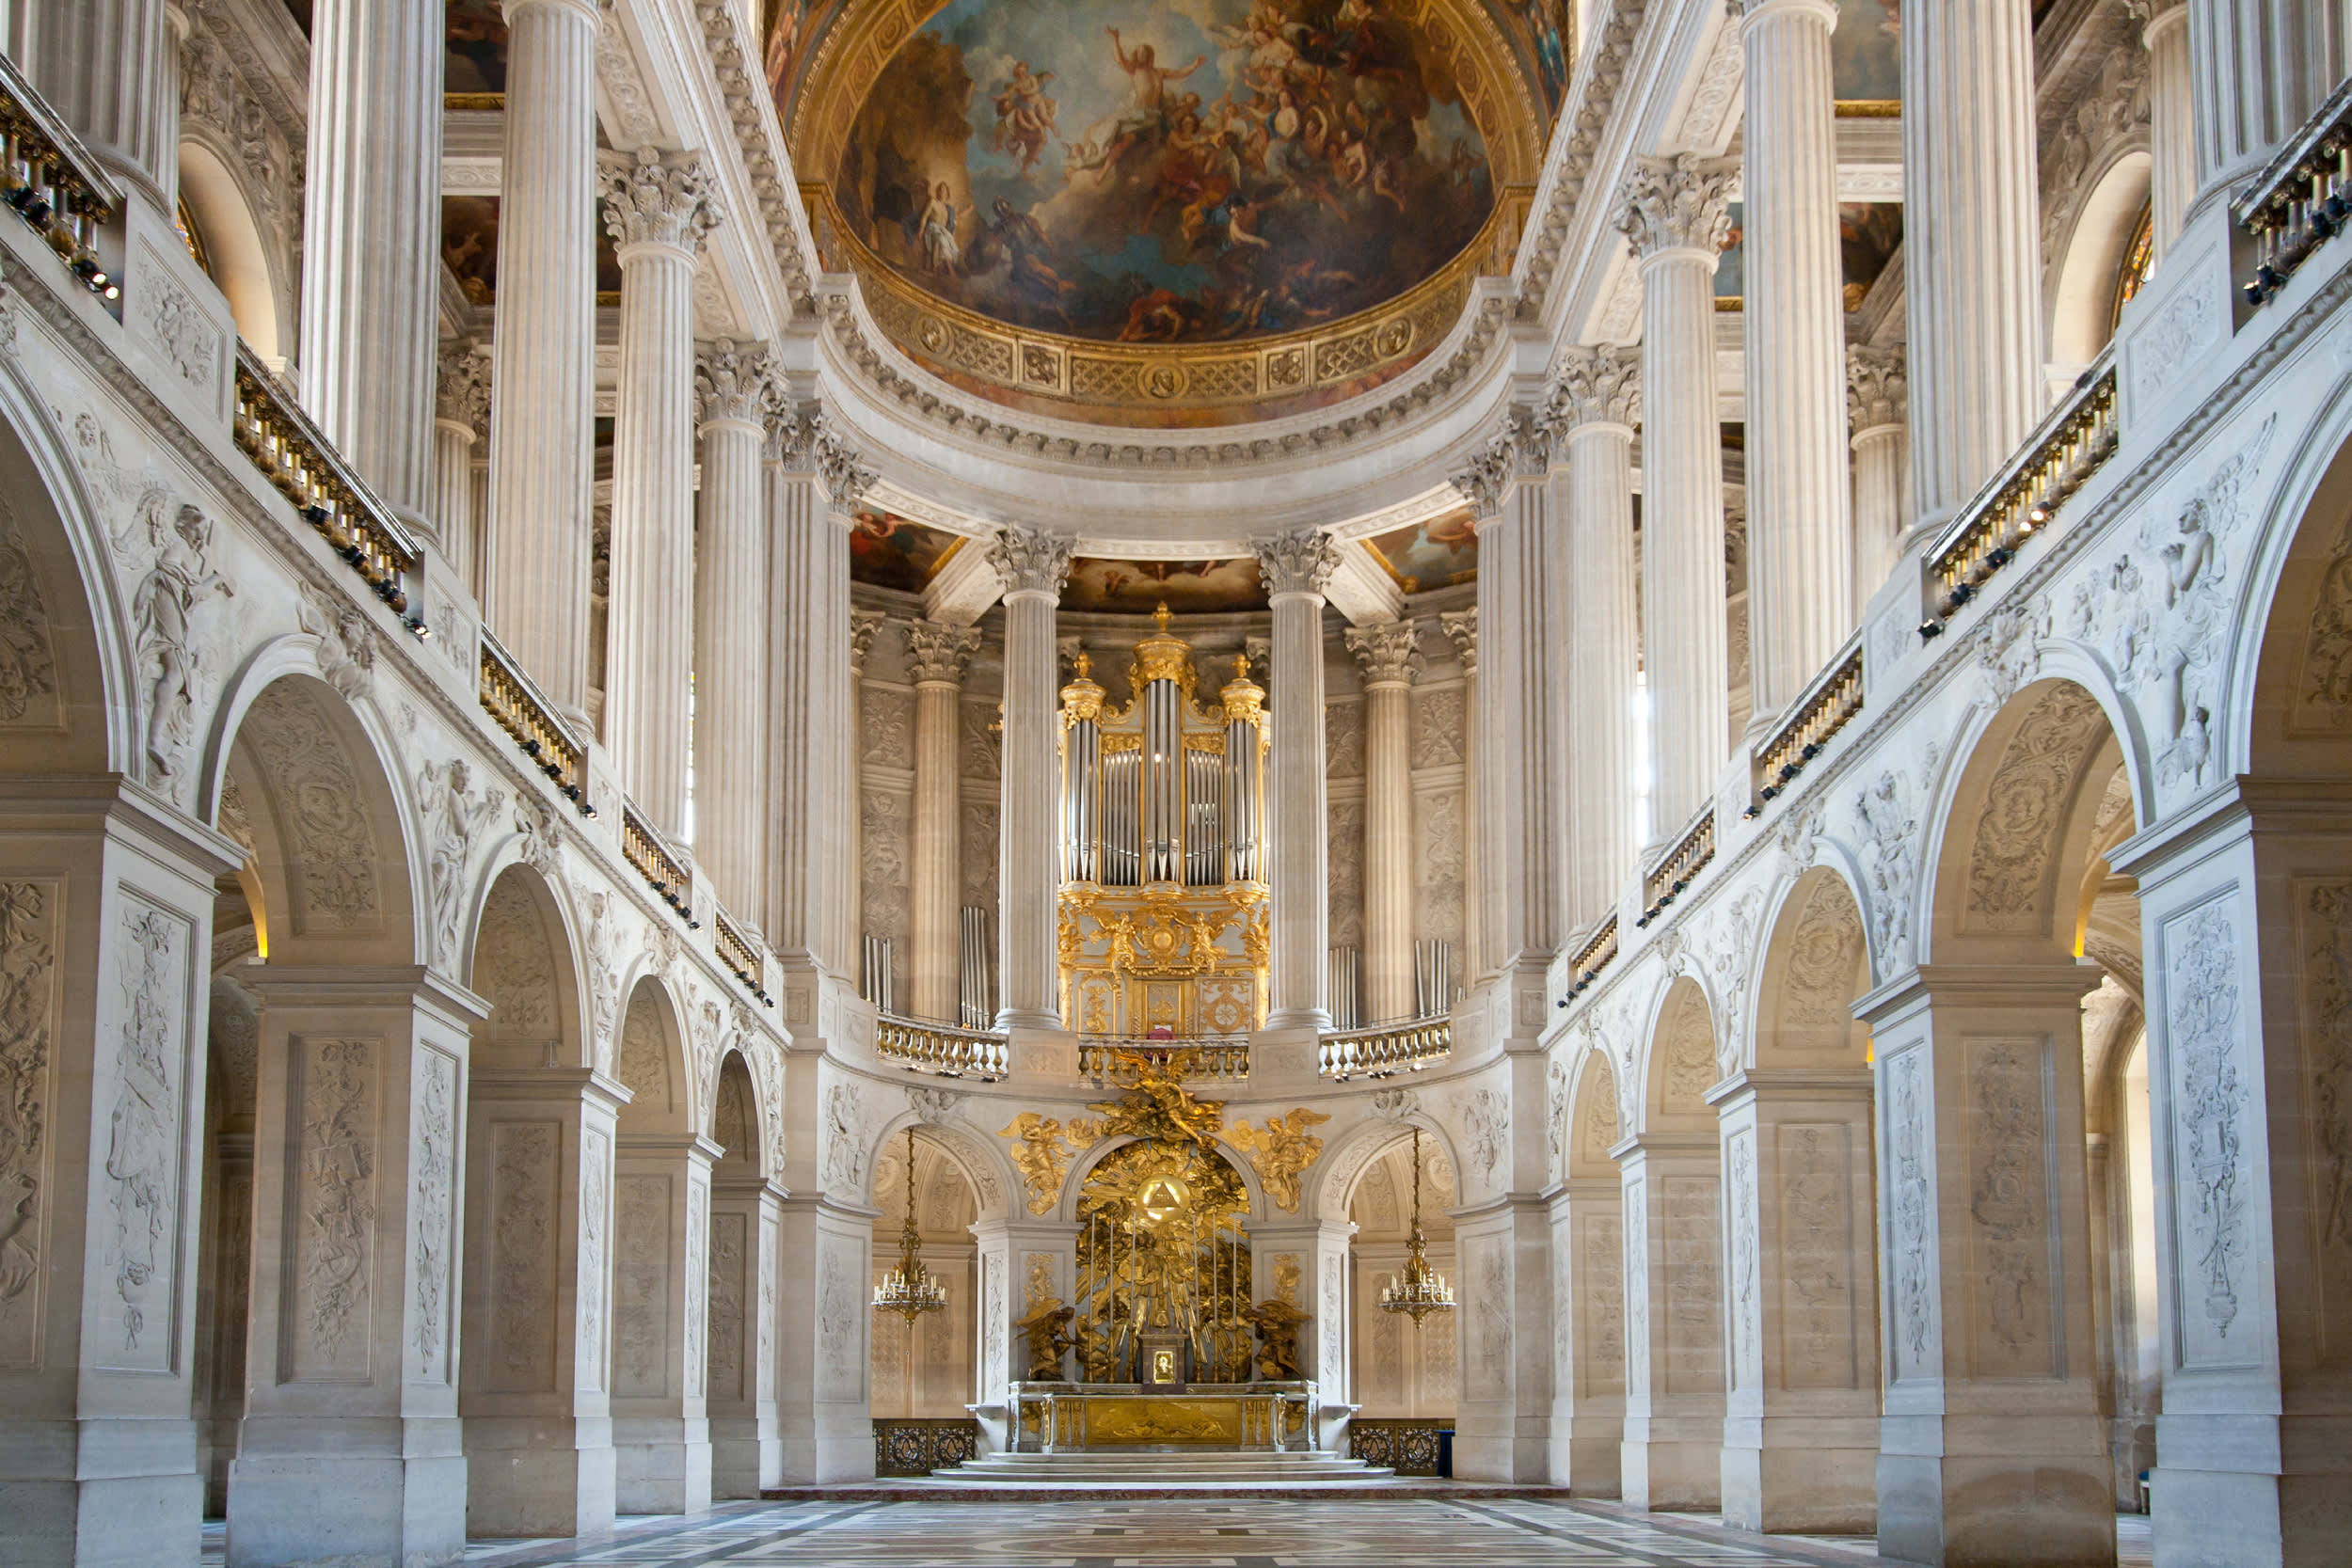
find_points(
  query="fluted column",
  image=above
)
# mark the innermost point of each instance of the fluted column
(731, 611)
(1875, 396)
(863, 624)
(543, 443)
(1461, 627)
(111, 68)
(657, 209)
(1033, 567)
(1971, 244)
(1297, 568)
(371, 240)
(1390, 653)
(461, 418)
(937, 655)
(1595, 407)
(815, 644)
(1677, 218)
(1799, 559)
(2260, 68)
(2172, 116)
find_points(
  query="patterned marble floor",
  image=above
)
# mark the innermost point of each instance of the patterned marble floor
(1392, 1533)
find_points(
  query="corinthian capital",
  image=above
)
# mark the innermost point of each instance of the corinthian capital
(1488, 475)
(1300, 563)
(1462, 626)
(731, 383)
(1029, 562)
(938, 652)
(1597, 385)
(863, 624)
(801, 440)
(462, 393)
(1389, 650)
(1676, 205)
(1876, 388)
(654, 199)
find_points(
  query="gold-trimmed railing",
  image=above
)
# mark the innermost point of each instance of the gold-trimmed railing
(942, 1049)
(741, 956)
(648, 852)
(1832, 701)
(53, 183)
(295, 457)
(509, 696)
(1210, 1057)
(2069, 446)
(2302, 199)
(1390, 1049)
(1594, 957)
(1664, 883)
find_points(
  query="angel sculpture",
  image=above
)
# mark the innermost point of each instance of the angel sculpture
(1047, 1331)
(1277, 1322)
(1282, 1152)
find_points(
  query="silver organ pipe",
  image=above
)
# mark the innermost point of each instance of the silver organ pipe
(1081, 809)
(1204, 785)
(1163, 791)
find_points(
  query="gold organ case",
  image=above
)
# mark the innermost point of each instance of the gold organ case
(1163, 904)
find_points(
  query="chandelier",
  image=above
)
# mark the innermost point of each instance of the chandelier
(909, 1290)
(1420, 1290)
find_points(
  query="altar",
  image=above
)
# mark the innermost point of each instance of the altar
(1092, 1418)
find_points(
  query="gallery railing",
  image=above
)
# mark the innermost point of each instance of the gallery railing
(1836, 698)
(513, 699)
(1665, 881)
(53, 183)
(741, 956)
(1587, 963)
(1389, 1049)
(651, 856)
(2302, 199)
(1217, 1058)
(940, 1049)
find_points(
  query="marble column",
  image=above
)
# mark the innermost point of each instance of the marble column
(1033, 567)
(659, 210)
(2171, 117)
(1801, 1424)
(461, 421)
(1672, 1456)
(351, 1366)
(1461, 628)
(1296, 568)
(662, 1315)
(1799, 559)
(1390, 653)
(111, 70)
(370, 241)
(1971, 245)
(2259, 69)
(937, 655)
(1875, 396)
(746, 1265)
(732, 609)
(542, 444)
(1596, 405)
(1676, 214)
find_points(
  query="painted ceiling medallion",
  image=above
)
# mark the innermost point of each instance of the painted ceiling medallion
(1165, 214)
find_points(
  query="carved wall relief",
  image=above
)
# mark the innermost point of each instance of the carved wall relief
(645, 1053)
(843, 1154)
(596, 1168)
(1345, 860)
(1747, 1283)
(513, 969)
(2323, 914)
(840, 1345)
(2024, 809)
(1686, 1049)
(1487, 1274)
(1824, 959)
(1600, 1359)
(1637, 1288)
(889, 715)
(2211, 1108)
(323, 827)
(697, 1287)
(146, 1095)
(1343, 738)
(1437, 726)
(2011, 1298)
(2323, 688)
(523, 1252)
(432, 1168)
(28, 1023)
(448, 816)
(641, 1286)
(1690, 1248)
(1910, 1165)
(327, 1294)
(1440, 896)
(28, 656)
(1816, 1269)
(883, 840)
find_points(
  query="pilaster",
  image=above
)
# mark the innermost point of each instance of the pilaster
(1671, 1457)
(938, 654)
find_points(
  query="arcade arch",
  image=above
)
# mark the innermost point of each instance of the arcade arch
(1401, 1369)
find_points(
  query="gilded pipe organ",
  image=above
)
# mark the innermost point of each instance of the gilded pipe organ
(1163, 899)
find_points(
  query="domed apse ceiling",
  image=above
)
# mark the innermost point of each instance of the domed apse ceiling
(1168, 212)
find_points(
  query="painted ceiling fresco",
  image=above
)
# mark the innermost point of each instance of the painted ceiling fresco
(890, 551)
(1868, 234)
(1143, 172)
(474, 60)
(1435, 554)
(1865, 52)
(1187, 587)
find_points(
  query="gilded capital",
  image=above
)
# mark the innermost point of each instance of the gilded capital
(1029, 562)
(462, 392)
(937, 651)
(1676, 205)
(1462, 626)
(1597, 385)
(1299, 562)
(655, 199)
(731, 383)
(1389, 650)
(1876, 386)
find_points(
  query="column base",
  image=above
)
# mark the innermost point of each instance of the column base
(1814, 1477)
(837, 1448)
(662, 1463)
(2012, 1509)
(745, 1456)
(528, 1478)
(1587, 1455)
(2249, 1518)
(1672, 1463)
(298, 1508)
(100, 1494)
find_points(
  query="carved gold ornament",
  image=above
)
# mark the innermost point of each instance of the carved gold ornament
(1041, 1148)
(1281, 1152)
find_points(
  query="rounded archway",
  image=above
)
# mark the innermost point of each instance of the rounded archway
(926, 1369)
(1401, 1369)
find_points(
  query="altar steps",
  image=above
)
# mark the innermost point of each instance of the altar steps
(1143, 1467)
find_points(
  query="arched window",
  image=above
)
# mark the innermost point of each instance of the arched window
(2139, 261)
